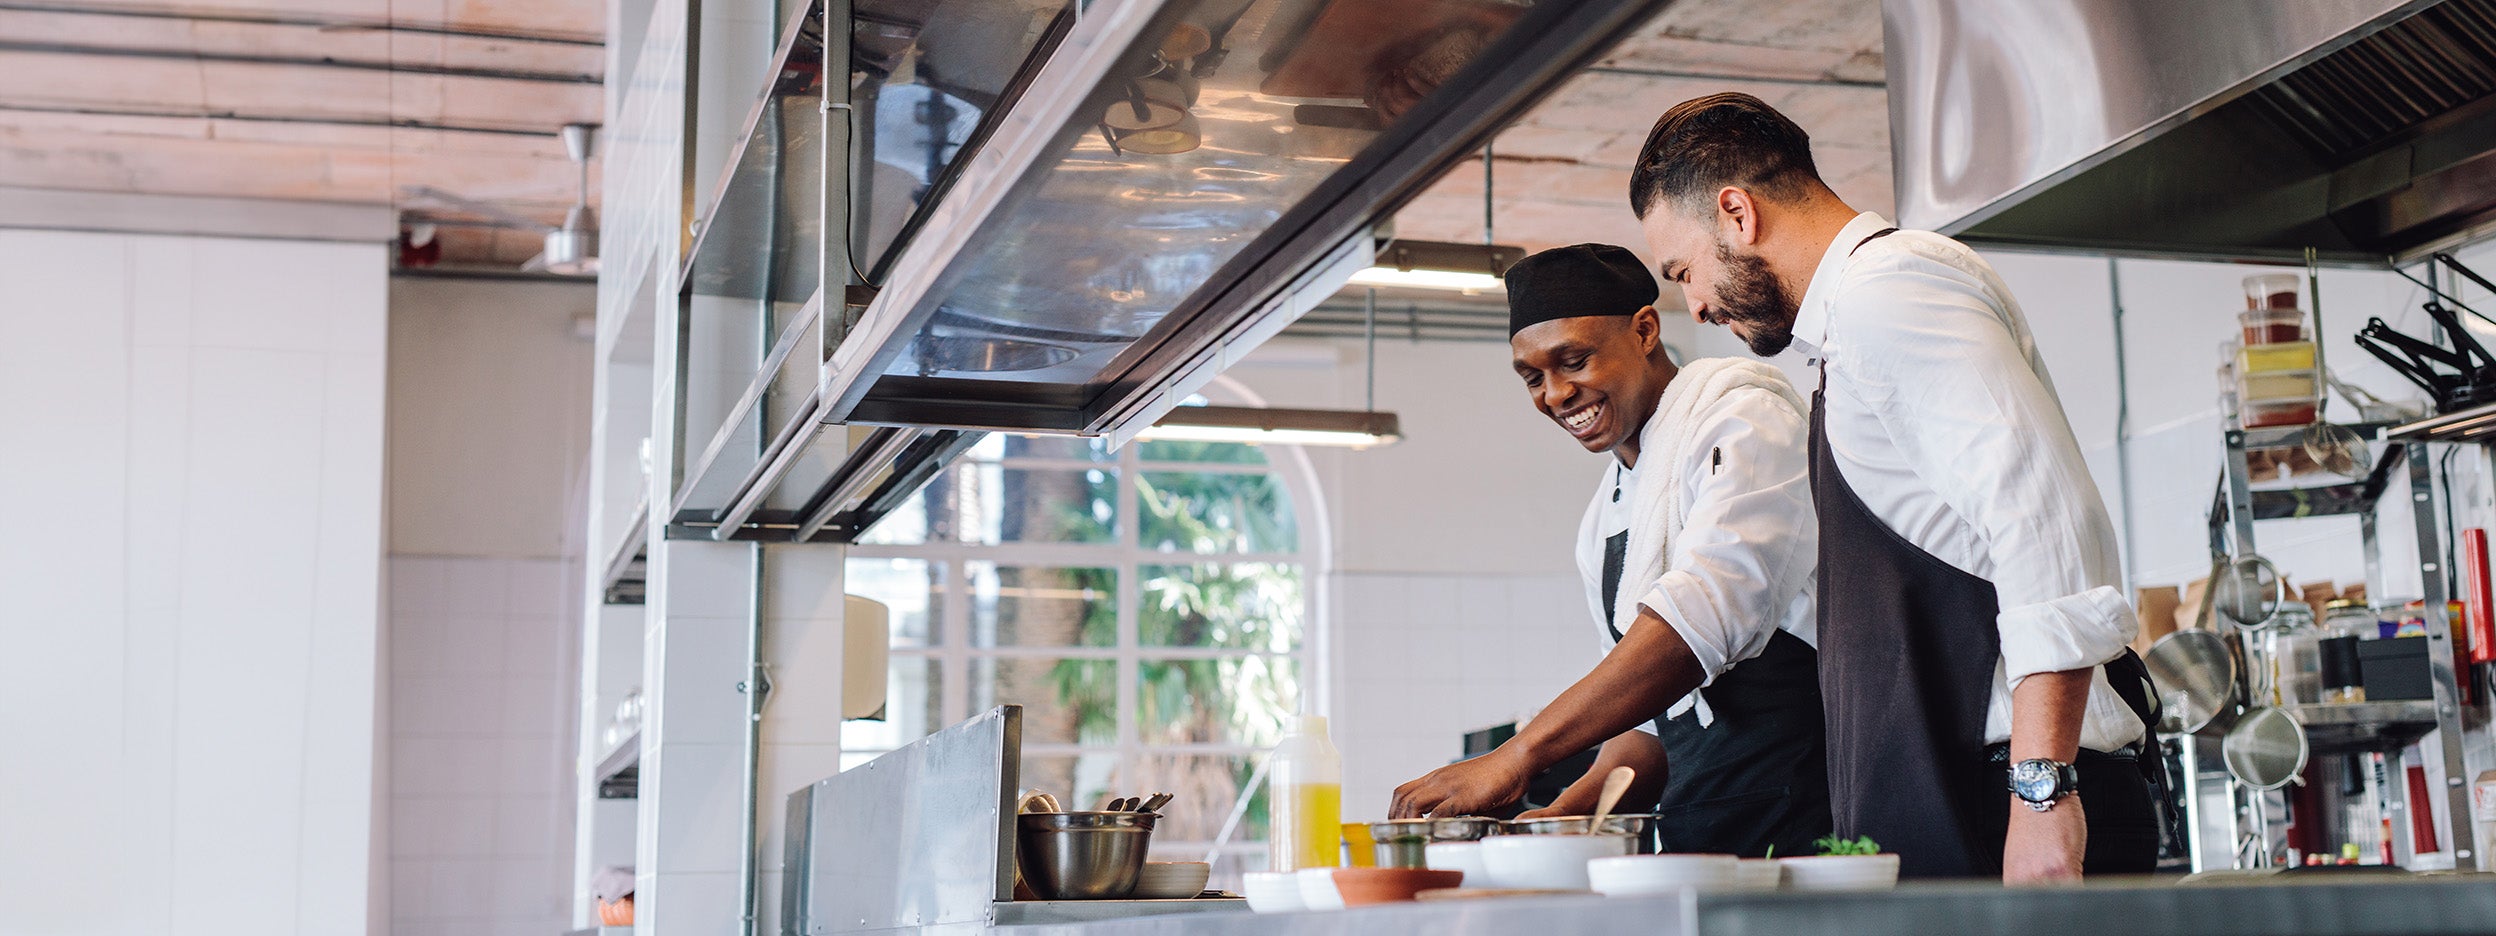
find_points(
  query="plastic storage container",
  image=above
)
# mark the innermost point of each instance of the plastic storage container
(2275, 358)
(2271, 326)
(1306, 797)
(2271, 291)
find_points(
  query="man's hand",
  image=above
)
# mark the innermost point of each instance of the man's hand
(2045, 847)
(1465, 788)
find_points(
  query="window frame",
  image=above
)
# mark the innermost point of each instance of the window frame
(951, 621)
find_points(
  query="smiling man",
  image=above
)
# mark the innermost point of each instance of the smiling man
(1972, 640)
(1696, 554)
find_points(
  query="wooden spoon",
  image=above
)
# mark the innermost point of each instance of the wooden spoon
(1614, 784)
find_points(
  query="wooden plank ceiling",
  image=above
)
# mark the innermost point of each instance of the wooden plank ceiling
(334, 100)
(363, 100)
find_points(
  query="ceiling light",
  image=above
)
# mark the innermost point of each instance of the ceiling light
(572, 249)
(1471, 284)
(1257, 425)
(1471, 269)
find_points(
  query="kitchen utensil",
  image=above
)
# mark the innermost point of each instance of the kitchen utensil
(1272, 891)
(2196, 678)
(1634, 875)
(1642, 827)
(1459, 856)
(1037, 802)
(1317, 889)
(1556, 862)
(1171, 880)
(2266, 749)
(1842, 872)
(2337, 448)
(2248, 590)
(1614, 784)
(1361, 887)
(1491, 893)
(1155, 804)
(1082, 855)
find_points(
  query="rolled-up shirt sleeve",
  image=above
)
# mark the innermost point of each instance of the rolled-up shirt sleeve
(1749, 538)
(1952, 385)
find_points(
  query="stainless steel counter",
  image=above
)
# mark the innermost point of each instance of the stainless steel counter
(2334, 904)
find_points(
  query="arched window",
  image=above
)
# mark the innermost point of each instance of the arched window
(1152, 610)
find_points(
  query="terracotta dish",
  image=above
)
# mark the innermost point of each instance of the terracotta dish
(1363, 886)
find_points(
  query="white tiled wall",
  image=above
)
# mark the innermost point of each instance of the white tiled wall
(482, 707)
(1422, 659)
(190, 583)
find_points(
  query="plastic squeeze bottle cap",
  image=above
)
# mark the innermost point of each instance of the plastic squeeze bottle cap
(1310, 725)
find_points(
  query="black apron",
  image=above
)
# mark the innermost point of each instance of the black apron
(1909, 646)
(1758, 777)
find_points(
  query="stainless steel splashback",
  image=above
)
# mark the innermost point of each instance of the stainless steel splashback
(2242, 128)
(920, 837)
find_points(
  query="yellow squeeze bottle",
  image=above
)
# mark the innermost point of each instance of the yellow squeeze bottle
(1306, 775)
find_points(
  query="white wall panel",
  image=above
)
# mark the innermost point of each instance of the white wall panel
(194, 477)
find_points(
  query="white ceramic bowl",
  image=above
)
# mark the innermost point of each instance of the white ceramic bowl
(1272, 891)
(1317, 889)
(1171, 880)
(1458, 856)
(1760, 874)
(1842, 872)
(1629, 875)
(1546, 862)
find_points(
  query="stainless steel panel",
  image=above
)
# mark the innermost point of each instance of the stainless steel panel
(918, 837)
(1121, 272)
(1990, 100)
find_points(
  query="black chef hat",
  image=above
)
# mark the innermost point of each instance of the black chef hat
(1580, 279)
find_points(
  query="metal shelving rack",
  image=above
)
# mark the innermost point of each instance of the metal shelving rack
(2370, 727)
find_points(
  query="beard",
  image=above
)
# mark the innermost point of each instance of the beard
(1748, 295)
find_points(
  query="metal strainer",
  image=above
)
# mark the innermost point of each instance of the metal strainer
(2266, 749)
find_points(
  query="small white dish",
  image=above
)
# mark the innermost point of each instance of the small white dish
(1842, 872)
(1317, 889)
(1458, 856)
(1272, 891)
(1630, 875)
(1171, 880)
(1546, 862)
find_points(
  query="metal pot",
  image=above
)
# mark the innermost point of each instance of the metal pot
(1082, 855)
(1641, 827)
(1405, 843)
(2195, 674)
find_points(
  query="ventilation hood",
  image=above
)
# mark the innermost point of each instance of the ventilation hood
(2245, 129)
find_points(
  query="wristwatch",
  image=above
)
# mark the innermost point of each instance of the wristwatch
(2042, 783)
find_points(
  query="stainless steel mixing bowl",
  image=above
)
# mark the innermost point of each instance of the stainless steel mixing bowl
(1082, 855)
(1640, 826)
(1404, 843)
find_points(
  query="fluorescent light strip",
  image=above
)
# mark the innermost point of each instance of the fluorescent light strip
(1450, 280)
(1264, 426)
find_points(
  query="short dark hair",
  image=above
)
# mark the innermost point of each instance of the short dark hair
(1704, 144)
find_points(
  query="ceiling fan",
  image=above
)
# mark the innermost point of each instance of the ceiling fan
(571, 249)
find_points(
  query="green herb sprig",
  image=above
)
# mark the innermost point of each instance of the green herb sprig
(1832, 845)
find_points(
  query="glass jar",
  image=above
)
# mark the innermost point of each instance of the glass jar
(2295, 652)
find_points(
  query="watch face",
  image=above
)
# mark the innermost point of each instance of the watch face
(2035, 781)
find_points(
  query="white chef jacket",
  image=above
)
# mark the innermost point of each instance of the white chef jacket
(1743, 564)
(1942, 419)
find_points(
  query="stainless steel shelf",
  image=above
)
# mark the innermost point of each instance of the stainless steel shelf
(2364, 726)
(2476, 424)
(619, 773)
(1029, 912)
(626, 579)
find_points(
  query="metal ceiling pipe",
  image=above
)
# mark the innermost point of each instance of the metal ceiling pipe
(307, 21)
(300, 61)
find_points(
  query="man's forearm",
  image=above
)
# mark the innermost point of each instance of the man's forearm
(2045, 715)
(1645, 674)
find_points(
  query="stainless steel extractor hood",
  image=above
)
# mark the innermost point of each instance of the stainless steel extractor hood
(2365, 129)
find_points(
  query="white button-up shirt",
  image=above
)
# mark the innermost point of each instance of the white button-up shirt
(1943, 421)
(1742, 565)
